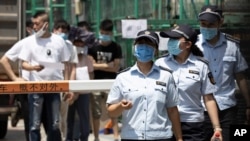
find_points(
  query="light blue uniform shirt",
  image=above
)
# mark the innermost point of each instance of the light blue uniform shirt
(192, 82)
(225, 60)
(151, 95)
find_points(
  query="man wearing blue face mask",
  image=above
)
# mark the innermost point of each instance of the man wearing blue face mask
(227, 65)
(106, 58)
(145, 95)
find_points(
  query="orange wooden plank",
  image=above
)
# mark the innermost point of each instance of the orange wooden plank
(34, 87)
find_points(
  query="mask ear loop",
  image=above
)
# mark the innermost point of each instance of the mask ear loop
(44, 25)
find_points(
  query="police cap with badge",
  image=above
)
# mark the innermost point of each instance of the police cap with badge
(152, 36)
(179, 31)
(210, 13)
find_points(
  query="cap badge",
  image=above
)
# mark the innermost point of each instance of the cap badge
(147, 32)
(208, 10)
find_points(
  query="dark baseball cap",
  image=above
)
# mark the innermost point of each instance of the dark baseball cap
(78, 34)
(148, 34)
(210, 13)
(179, 31)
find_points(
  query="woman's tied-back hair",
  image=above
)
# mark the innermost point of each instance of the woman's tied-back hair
(196, 51)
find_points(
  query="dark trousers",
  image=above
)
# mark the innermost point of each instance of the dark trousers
(81, 105)
(192, 131)
(227, 118)
(23, 98)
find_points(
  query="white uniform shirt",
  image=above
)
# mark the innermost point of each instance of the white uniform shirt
(225, 59)
(192, 82)
(52, 50)
(13, 54)
(150, 95)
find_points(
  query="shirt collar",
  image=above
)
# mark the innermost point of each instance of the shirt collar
(190, 59)
(135, 69)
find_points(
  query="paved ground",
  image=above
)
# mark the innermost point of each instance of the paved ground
(17, 134)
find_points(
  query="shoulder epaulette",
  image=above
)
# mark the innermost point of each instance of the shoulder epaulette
(166, 69)
(124, 70)
(203, 60)
(232, 38)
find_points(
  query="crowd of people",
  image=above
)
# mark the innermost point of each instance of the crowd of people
(188, 94)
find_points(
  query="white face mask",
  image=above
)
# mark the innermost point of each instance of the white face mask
(79, 50)
(41, 32)
(82, 50)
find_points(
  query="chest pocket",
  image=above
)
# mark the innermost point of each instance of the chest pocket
(193, 77)
(228, 62)
(160, 93)
(130, 93)
(229, 59)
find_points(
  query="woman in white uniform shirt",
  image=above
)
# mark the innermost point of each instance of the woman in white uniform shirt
(193, 79)
(146, 96)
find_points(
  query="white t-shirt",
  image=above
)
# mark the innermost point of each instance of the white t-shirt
(13, 54)
(73, 52)
(52, 50)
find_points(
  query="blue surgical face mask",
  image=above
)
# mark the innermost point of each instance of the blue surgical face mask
(104, 38)
(63, 35)
(174, 46)
(208, 33)
(144, 52)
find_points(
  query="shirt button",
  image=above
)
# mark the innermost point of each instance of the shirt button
(145, 98)
(144, 109)
(142, 121)
(214, 59)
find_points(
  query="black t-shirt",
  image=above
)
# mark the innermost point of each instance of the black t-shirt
(105, 54)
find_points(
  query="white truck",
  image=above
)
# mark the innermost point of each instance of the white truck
(12, 27)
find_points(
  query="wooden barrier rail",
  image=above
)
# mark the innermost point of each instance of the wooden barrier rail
(21, 87)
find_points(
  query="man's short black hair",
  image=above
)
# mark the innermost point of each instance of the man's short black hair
(61, 23)
(106, 25)
(41, 14)
(29, 23)
(84, 24)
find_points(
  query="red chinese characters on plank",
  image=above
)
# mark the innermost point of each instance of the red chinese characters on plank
(34, 87)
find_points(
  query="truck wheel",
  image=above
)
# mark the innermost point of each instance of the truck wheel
(3, 128)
